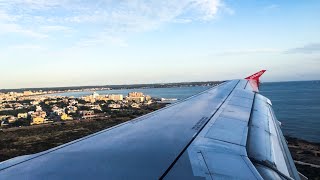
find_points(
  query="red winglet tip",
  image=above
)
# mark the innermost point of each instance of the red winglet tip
(256, 76)
(254, 80)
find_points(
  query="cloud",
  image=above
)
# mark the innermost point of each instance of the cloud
(33, 4)
(81, 11)
(250, 51)
(101, 40)
(15, 28)
(271, 7)
(5, 17)
(27, 47)
(144, 15)
(113, 20)
(181, 21)
(8, 24)
(307, 49)
(55, 28)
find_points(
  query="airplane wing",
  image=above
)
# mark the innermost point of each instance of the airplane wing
(227, 132)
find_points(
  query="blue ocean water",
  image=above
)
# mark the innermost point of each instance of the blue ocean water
(176, 92)
(296, 104)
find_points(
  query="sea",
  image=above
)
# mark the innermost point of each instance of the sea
(296, 104)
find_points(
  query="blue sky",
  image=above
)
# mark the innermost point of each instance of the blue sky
(45, 43)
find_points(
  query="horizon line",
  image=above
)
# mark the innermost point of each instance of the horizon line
(83, 86)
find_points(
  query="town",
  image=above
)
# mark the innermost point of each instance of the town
(35, 108)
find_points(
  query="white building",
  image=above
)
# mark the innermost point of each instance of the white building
(114, 106)
(115, 97)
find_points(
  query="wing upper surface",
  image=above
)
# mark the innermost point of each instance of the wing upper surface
(144, 147)
(212, 135)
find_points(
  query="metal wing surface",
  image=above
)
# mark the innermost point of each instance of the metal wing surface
(226, 132)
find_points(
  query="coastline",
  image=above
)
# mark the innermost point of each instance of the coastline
(56, 90)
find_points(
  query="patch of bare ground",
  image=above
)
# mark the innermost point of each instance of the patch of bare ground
(307, 157)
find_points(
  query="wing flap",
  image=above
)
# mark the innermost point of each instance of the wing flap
(222, 142)
(265, 145)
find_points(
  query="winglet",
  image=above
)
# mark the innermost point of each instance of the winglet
(256, 76)
(255, 80)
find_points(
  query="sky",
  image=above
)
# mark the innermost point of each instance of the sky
(54, 43)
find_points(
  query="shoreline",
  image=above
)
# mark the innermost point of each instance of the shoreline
(114, 87)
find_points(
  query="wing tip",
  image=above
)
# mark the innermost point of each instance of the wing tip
(256, 75)
(254, 80)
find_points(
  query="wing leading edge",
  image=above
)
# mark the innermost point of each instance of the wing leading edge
(228, 132)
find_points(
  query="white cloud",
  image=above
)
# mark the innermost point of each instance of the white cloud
(144, 14)
(8, 24)
(312, 48)
(33, 4)
(208, 8)
(55, 28)
(101, 40)
(250, 51)
(181, 21)
(306, 49)
(27, 47)
(271, 7)
(15, 28)
(112, 18)
(5, 17)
